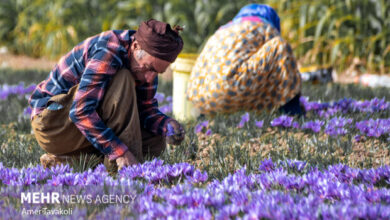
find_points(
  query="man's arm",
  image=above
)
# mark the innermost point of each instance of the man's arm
(97, 74)
(151, 118)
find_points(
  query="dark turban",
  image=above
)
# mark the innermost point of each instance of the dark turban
(159, 40)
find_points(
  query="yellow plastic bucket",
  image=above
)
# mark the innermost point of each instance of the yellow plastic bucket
(182, 108)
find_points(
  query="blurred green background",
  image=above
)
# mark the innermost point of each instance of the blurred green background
(322, 32)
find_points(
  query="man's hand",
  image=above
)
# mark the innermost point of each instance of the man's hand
(127, 159)
(175, 133)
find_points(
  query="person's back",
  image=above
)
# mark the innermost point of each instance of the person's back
(245, 65)
(71, 67)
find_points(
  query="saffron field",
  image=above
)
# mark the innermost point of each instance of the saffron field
(332, 163)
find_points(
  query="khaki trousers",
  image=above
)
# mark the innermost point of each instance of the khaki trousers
(57, 134)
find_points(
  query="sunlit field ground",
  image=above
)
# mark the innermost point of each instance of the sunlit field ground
(331, 163)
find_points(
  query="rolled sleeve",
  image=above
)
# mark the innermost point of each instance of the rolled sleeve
(90, 93)
(117, 151)
(151, 117)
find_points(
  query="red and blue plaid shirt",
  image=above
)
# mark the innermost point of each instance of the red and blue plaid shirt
(91, 64)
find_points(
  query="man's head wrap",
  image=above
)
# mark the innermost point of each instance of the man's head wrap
(159, 40)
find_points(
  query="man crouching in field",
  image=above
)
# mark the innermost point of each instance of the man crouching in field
(99, 98)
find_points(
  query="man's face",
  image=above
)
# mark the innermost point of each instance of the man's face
(146, 67)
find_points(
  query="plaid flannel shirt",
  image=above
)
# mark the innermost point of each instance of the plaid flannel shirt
(91, 64)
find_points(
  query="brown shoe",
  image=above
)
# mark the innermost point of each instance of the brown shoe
(50, 160)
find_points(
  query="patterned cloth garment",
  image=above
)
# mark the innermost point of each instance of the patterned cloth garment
(245, 65)
(92, 64)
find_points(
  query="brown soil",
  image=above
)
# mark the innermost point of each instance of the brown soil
(8, 60)
(21, 62)
(357, 154)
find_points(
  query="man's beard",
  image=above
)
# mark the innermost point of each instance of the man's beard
(138, 73)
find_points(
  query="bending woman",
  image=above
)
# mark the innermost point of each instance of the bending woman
(246, 65)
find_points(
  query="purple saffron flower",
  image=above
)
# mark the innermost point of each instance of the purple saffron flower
(259, 124)
(295, 164)
(267, 165)
(357, 138)
(168, 99)
(160, 97)
(374, 128)
(373, 105)
(244, 119)
(337, 192)
(20, 90)
(345, 105)
(199, 177)
(240, 198)
(199, 127)
(30, 88)
(282, 121)
(209, 132)
(228, 211)
(27, 111)
(315, 126)
(170, 130)
(166, 108)
(336, 126)
(175, 171)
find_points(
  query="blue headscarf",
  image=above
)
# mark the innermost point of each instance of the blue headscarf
(263, 11)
